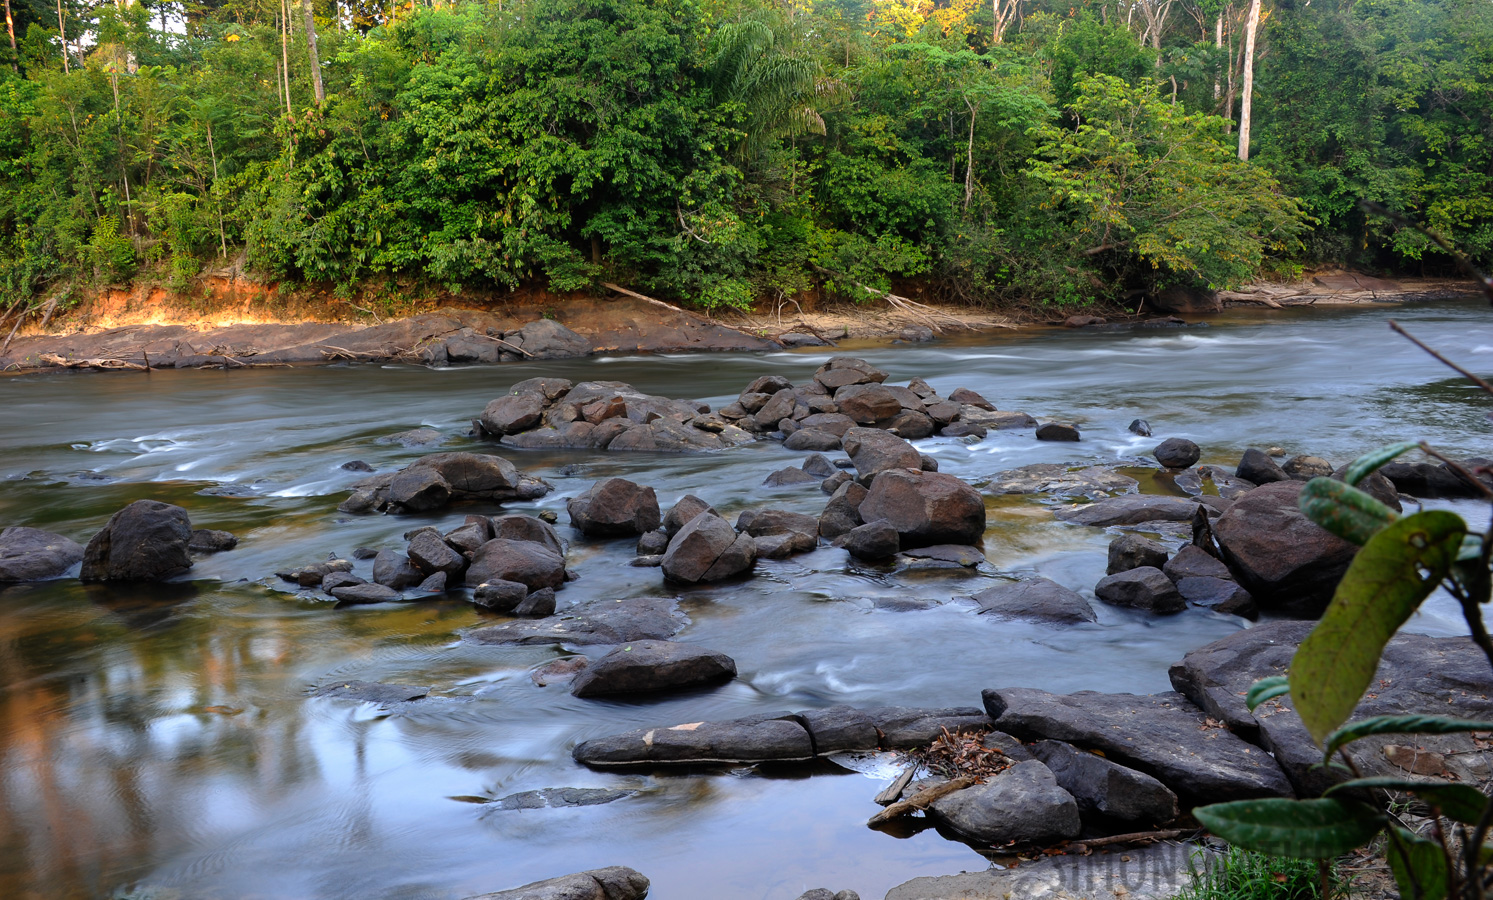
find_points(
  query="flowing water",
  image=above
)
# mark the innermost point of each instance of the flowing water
(158, 742)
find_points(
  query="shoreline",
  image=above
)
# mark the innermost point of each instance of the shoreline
(146, 332)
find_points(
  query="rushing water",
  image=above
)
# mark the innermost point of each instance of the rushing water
(158, 742)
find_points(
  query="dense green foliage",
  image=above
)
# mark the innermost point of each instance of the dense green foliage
(721, 152)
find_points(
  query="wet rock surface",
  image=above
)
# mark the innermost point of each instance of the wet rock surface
(615, 507)
(30, 554)
(611, 883)
(1036, 600)
(599, 622)
(1131, 510)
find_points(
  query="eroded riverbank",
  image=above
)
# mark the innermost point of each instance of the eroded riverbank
(167, 736)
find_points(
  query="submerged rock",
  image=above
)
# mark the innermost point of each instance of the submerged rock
(371, 691)
(600, 622)
(1131, 510)
(611, 883)
(1036, 600)
(750, 739)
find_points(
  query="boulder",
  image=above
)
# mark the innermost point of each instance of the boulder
(1305, 468)
(513, 413)
(417, 437)
(1145, 588)
(538, 605)
(913, 426)
(355, 594)
(1377, 486)
(611, 883)
(812, 439)
(942, 556)
(334, 580)
(1131, 551)
(528, 528)
(1057, 431)
(30, 554)
(1193, 561)
(418, 490)
(708, 549)
(1158, 872)
(778, 521)
(967, 397)
(906, 727)
(841, 371)
(1286, 561)
(499, 595)
(997, 420)
(1035, 600)
(873, 451)
(1090, 482)
(751, 739)
(1106, 790)
(145, 541)
(925, 507)
(1162, 735)
(842, 512)
(615, 507)
(875, 540)
(1430, 481)
(1177, 453)
(1023, 804)
(782, 546)
(788, 477)
(1140, 427)
(833, 482)
(551, 389)
(769, 385)
(651, 666)
(838, 728)
(1417, 675)
(867, 403)
(1223, 595)
(548, 339)
(439, 478)
(206, 540)
(1132, 509)
(680, 514)
(395, 570)
(830, 423)
(654, 543)
(431, 554)
(602, 622)
(818, 465)
(467, 538)
(531, 564)
(965, 429)
(1255, 466)
(778, 407)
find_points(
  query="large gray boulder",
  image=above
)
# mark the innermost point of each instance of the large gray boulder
(145, 541)
(680, 514)
(751, 739)
(1023, 804)
(1286, 561)
(873, 451)
(842, 512)
(1259, 468)
(1036, 600)
(926, 507)
(1417, 675)
(30, 554)
(615, 507)
(651, 666)
(1177, 453)
(513, 413)
(1106, 790)
(529, 563)
(1163, 735)
(548, 339)
(431, 554)
(603, 622)
(611, 883)
(708, 549)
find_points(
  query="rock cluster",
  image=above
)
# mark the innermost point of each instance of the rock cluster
(546, 413)
(433, 481)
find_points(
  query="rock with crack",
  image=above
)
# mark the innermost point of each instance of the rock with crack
(600, 622)
(708, 549)
(1106, 791)
(642, 667)
(1092, 482)
(1417, 676)
(1163, 735)
(1036, 599)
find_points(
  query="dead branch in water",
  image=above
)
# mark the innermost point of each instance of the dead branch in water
(921, 800)
(96, 363)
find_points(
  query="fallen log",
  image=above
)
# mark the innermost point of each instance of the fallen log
(921, 800)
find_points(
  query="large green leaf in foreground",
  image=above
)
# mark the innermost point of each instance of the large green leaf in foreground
(1345, 511)
(1390, 576)
(1306, 829)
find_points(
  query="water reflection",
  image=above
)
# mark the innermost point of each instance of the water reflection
(160, 742)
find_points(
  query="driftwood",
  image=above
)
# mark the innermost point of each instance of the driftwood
(921, 800)
(514, 347)
(1261, 299)
(637, 296)
(1139, 837)
(894, 790)
(96, 363)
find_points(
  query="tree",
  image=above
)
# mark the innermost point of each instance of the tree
(1251, 26)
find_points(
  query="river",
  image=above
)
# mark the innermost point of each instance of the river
(159, 742)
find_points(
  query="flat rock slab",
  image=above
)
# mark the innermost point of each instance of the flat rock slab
(1035, 600)
(1150, 873)
(1063, 481)
(554, 798)
(1132, 510)
(959, 555)
(611, 883)
(1163, 735)
(372, 691)
(1417, 675)
(604, 622)
(649, 666)
(752, 739)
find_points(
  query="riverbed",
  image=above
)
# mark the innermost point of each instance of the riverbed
(158, 742)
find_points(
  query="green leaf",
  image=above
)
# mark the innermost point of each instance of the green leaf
(1390, 576)
(1400, 725)
(1266, 689)
(1345, 511)
(1419, 866)
(1368, 463)
(1458, 802)
(1305, 829)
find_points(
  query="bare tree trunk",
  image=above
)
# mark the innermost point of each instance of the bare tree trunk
(10, 28)
(1249, 77)
(1005, 12)
(1218, 44)
(285, 52)
(62, 36)
(969, 159)
(316, 86)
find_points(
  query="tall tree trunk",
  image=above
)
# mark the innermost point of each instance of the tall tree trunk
(1217, 44)
(285, 52)
(969, 159)
(316, 86)
(10, 28)
(62, 36)
(1249, 77)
